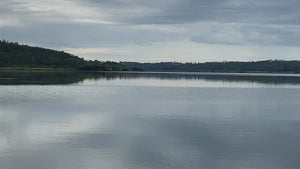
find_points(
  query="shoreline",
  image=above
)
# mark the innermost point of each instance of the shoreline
(70, 70)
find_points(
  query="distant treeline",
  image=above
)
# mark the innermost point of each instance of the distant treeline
(268, 66)
(14, 55)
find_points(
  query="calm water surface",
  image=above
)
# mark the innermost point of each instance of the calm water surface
(150, 121)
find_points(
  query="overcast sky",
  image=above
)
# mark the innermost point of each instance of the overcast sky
(157, 30)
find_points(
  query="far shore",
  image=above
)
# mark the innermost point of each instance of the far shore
(69, 70)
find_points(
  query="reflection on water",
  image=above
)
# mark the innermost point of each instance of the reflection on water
(44, 78)
(107, 122)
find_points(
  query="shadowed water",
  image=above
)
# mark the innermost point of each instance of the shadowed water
(149, 121)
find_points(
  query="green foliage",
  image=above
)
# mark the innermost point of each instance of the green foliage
(16, 55)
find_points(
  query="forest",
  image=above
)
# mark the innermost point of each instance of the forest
(14, 55)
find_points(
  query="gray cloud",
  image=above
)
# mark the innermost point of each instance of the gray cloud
(110, 23)
(190, 11)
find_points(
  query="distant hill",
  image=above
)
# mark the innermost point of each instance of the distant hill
(268, 66)
(14, 55)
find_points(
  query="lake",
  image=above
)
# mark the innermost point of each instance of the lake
(149, 121)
